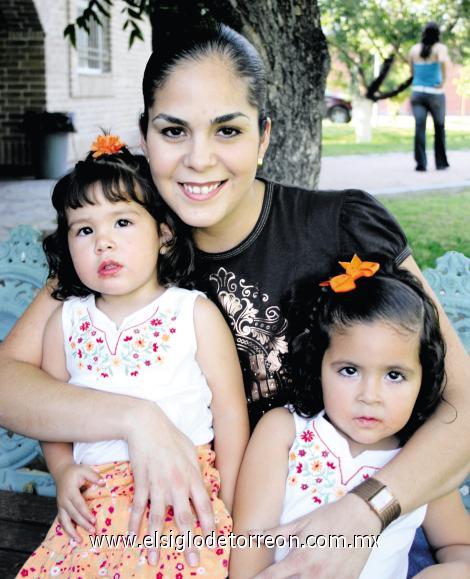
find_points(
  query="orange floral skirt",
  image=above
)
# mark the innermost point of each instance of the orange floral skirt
(61, 556)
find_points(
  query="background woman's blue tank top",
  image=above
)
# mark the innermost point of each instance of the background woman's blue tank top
(427, 74)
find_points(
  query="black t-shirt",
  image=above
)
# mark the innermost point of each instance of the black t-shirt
(300, 235)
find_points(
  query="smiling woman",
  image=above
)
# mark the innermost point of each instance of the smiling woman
(205, 150)
(258, 244)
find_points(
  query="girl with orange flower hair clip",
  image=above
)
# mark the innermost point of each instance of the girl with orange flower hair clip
(368, 370)
(125, 326)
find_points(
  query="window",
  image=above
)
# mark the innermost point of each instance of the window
(94, 49)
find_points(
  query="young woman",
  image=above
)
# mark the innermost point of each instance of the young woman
(205, 130)
(429, 60)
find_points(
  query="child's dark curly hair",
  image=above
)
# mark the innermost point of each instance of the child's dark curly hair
(395, 296)
(123, 176)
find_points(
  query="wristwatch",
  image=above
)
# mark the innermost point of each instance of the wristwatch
(379, 499)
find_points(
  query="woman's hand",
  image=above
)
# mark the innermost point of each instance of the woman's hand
(166, 472)
(349, 517)
(72, 508)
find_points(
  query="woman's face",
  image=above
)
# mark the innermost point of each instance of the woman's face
(203, 144)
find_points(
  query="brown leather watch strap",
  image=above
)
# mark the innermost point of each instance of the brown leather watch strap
(387, 508)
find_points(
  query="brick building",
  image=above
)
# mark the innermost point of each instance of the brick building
(99, 82)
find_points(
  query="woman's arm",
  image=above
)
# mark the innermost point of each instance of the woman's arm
(33, 403)
(69, 477)
(447, 527)
(58, 455)
(443, 73)
(410, 60)
(260, 489)
(444, 60)
(217, 357)
(36, 404)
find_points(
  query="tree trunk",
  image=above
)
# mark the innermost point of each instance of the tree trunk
(288, 35)
(362, 119)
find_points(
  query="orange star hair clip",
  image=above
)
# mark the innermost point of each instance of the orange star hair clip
(106, 145)
(355, 269)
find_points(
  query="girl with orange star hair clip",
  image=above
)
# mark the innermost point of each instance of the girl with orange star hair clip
(368, 370)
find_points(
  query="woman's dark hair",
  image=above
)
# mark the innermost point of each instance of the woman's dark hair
(395, 297)
(429, 36)
(219, 40)
(123, 177)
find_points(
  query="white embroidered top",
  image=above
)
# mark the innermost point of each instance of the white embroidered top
(322, 470)
(151, 355)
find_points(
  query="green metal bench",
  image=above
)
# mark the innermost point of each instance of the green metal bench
(24, 518)
(450, 281)
(23, 271)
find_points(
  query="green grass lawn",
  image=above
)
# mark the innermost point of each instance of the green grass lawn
(434, 223)
(340, 140)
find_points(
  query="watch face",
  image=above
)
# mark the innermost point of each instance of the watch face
(382, 499)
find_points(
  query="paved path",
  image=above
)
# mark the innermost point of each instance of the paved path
(393, 173)
(28, 201)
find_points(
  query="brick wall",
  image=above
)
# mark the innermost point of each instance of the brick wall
(39, 71)
(22, 80)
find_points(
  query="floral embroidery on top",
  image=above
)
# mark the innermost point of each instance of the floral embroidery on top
(137, 347)
(309, 471)
(314, 469)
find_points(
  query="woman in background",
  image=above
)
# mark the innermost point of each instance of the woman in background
(428, 60)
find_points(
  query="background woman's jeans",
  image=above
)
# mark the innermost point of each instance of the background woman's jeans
(422, 103)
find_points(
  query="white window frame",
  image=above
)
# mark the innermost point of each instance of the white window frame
(95, 46)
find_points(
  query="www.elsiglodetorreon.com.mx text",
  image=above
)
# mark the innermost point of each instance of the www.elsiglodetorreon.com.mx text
(180, 542)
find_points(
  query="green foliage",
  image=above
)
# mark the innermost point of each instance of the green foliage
(359, 31)
(135, 10)
(433, 223)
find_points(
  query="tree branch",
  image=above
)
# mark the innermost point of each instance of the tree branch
(377, 82)
(385, 95)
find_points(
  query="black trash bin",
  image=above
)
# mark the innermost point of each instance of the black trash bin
(49, 137)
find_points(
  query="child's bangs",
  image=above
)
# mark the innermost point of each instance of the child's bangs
(122, 188)
(114, 185)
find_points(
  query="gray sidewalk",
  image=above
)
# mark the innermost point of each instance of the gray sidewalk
(28, 201)
(393, 173)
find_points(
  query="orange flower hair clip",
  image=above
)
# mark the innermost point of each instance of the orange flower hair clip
(106, 145)
(355, 269)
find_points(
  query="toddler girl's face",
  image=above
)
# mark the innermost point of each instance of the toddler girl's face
(114, 247)
(371, 377)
